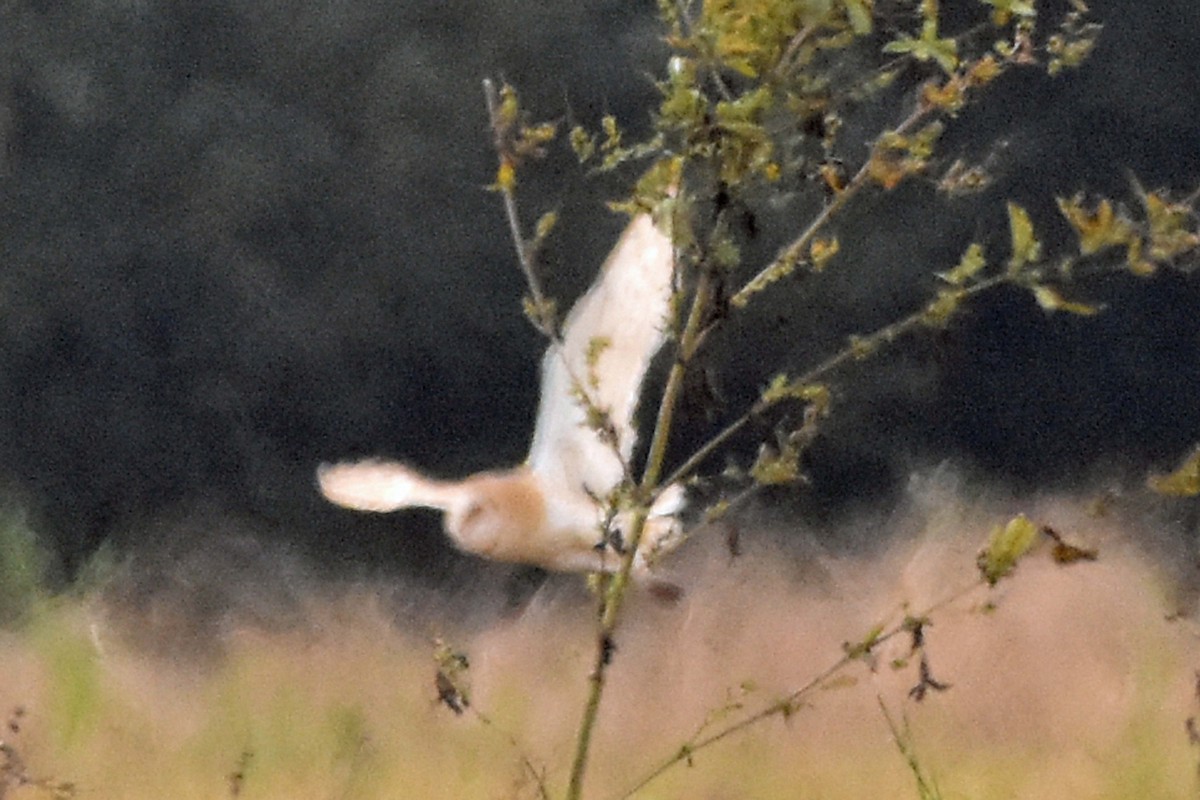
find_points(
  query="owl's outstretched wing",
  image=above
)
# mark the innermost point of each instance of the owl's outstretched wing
(608, 341)
(381, 486)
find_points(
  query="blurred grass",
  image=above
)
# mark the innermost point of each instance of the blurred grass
(23, 564)
(1051, 698)
(353, 714)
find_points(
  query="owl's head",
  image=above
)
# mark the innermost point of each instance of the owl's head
(500, 515)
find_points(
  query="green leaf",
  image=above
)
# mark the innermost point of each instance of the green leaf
(971, 263)
(821, 251)
(862, 648)
(773, 468)
(1097, 229)
(943, 51)
(1008, 543)
(929, 47)
(1004, 10)
(858, 12)
(1050, 300)
(784, 388)
(1025, 246)
(612, 133)
(1184, 481)
(683, 104)
(583, 143)
(545, 224)
(1170, 234)
(942, 308)
(653, 193)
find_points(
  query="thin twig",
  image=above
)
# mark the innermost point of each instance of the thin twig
(793, 251)
(492, 96)
(453, 692)
(538, 776)
(868, 343)
(545, 323)
(903, 740)
(783, 66)
(790, 703)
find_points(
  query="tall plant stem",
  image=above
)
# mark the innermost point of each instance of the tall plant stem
(616, 586)
(513, 214)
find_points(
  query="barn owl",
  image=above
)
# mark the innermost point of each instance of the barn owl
(550, 511)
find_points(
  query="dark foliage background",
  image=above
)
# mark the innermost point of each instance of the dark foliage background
(239, 238)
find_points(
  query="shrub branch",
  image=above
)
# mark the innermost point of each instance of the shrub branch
(616, 586)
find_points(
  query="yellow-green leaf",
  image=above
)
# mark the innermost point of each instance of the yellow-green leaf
(784, 388)
(943, 51)
(929, 47)
(1008, 543)
(1025, 246)
(774, 469)
(1184, 481)
(863, 346)
(506, 177)
(1137, 263)
(724, 253)
(1005, 10)
(1169, 232)
(583, 143)
(821, 251)
(971, 263)
(949, 96)
(858, 12)
(541, 314)
(534, 136)
(983, 71)
(545, 224)
(863, 647)
(1050, 300)
(510, 106)
(1098, 229)
(716, 511)
(942, 308)
(923, 143)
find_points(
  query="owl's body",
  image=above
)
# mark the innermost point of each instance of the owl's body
(549, 512)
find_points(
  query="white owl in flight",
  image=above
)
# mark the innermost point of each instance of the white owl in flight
(550, 511)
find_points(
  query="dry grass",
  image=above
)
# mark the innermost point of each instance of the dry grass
(1075, 685)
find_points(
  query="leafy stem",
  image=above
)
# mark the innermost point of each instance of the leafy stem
(503, 116)
(858, 347)
(616, 586)
(793, 252)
